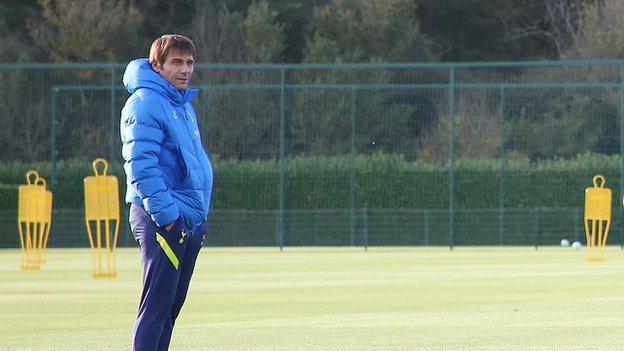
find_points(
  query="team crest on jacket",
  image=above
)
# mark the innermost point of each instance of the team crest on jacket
(189, 116)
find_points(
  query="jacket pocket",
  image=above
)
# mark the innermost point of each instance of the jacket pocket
(193, 177)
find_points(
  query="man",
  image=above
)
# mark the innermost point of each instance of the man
(169, 182)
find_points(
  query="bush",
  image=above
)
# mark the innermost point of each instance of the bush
(379, 180)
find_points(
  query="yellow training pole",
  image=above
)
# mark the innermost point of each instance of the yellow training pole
(34, 219)
(47, 219)
(21, 234)
(99, 246)
(108, 245)
(91, 244)
(30, 262)
(43, 201)
(597, 218)
(102, 207)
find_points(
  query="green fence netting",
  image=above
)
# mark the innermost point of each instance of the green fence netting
(359, 154)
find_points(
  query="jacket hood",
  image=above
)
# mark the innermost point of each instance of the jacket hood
(139, 74)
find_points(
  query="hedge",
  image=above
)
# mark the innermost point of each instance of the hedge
(381, 181)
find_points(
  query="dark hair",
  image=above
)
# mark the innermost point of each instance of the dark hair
(162, 46)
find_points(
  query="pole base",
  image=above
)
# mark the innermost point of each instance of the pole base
(104, 275)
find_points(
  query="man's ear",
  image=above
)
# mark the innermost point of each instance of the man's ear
(155, 66)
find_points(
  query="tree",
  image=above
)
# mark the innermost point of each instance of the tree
(599, 33)
(163, 17)
(484, 30)
(387, 120)
(242, 121)
(90, 30)
(25, 117)
(564, 19)
(14, 46)
(223, 35)
(294, 15)
(364, 31)
(264, 37)
(578, 29)
(476, 133)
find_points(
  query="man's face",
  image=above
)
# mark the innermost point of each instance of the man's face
(177, 69)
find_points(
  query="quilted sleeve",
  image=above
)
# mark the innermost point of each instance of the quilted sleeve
(142, 133)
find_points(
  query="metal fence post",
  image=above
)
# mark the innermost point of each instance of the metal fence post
(55, 91)
(536, 226)
(426, 224)
(365, 228)
(578, 219)
(282, 161)
(452, 157)
(503, 170)
(352, 168)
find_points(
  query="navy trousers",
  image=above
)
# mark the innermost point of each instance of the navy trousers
(168, 259)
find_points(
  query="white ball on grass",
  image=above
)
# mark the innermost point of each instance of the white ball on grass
(577, 245)
(565, 242)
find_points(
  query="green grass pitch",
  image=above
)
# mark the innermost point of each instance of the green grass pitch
(471, 298)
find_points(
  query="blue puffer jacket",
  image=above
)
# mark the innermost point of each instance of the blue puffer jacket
(167, 169)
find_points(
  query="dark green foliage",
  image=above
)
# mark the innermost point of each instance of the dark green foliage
(337, 30)
(364, 31)
(381, 181)
(488, 30)
(14, 46)
(570, 122)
